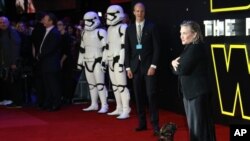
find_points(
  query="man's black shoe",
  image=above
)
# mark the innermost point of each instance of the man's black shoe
(140, 129)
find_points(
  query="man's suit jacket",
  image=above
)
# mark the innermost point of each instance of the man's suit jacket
(49, 57)
(37, 35)
(149, 54)
(193, 71)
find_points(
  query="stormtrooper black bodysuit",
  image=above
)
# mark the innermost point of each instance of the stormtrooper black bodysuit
(90, 56)
(114, 56)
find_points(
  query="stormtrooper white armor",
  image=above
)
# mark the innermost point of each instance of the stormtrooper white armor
(90, 56)
(114, 57)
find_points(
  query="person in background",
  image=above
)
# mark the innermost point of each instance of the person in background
(26, 62)
(26, 45)
(66, 63)
(75, 37)
(126, 19)
(36, 39)
(9, 57)
(142, 51)
(193, 71)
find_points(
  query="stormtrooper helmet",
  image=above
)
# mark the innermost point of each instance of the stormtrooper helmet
(91, 20)
(115, 14)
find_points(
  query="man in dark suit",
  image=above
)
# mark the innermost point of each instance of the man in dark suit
(141, 59)
(48, 56)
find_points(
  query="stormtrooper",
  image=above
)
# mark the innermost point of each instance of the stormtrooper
(93, 41)
(114, 55)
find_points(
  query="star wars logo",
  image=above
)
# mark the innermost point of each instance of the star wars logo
(231, 59)
(232, 73)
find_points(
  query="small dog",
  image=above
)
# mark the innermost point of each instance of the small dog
(167, 132)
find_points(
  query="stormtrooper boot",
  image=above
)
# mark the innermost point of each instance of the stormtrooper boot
(103, 99)
(125, 97)
(118, 109)
(94, 104)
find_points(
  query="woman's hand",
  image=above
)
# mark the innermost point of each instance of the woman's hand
(175, 63)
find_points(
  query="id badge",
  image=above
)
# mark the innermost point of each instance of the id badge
(138, 46)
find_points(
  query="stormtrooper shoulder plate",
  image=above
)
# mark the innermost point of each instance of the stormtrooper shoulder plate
(122, 29)
(102, 34)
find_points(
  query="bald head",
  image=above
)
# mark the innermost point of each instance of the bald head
(4, 22)
(139, 12)
(139, 4)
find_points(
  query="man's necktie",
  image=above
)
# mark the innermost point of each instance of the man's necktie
(139, 34)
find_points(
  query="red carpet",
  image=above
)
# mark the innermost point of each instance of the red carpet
(72, 124)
